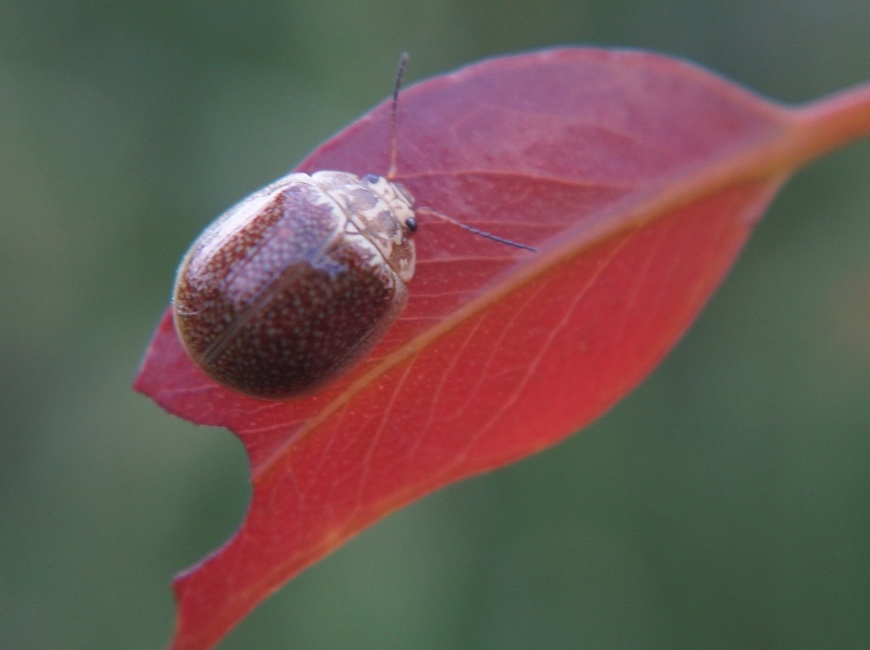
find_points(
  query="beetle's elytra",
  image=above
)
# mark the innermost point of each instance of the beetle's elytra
(296, 282)
(299, 280)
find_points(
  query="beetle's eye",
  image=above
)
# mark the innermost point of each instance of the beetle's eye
(411, 224)
(372, 178)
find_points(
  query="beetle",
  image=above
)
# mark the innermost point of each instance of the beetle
(298, 281)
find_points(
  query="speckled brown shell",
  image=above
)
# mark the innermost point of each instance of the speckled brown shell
(295, 283)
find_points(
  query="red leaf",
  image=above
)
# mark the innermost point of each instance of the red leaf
(639, 178)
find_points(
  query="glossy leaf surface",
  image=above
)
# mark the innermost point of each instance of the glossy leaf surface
(638, 177)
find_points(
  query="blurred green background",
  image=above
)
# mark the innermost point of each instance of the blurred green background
(725, 504)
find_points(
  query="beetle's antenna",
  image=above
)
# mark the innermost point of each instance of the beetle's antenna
(394, 147)
(476, 231)
(403, 61)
